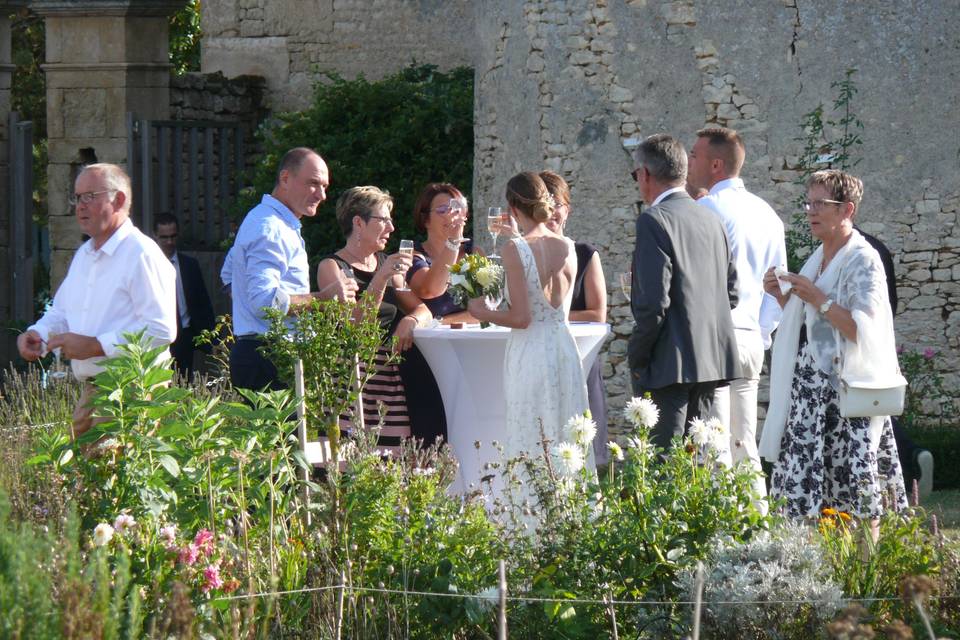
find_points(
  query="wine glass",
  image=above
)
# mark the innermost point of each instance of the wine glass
(406, 248)
(494, 220)
(626, 282)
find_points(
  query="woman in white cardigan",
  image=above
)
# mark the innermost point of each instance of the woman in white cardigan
(835, 310)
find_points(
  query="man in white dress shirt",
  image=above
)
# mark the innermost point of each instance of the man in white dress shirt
(119, 282)
(756, 238)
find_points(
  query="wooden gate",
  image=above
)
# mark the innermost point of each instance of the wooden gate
(193, 169)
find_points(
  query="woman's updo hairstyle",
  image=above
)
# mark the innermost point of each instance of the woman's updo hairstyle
(527, 193)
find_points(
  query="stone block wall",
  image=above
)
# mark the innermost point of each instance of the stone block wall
(291, 42)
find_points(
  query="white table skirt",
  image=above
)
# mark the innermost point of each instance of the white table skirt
(468, 366)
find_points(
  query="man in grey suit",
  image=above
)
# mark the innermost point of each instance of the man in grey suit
(684, 285)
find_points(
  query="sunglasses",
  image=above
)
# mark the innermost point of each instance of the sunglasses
(455, 204)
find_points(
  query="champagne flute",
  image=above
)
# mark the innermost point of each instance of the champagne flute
(626, 282)
(406, 248)
(494, 220)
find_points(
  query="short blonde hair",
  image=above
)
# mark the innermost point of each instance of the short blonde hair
(727, 145)
(360, 201)
(842, 187)
(114, 178)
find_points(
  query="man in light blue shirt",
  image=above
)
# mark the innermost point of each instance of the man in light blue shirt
(267, 264)
(756, 238)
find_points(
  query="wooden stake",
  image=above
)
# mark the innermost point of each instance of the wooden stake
(697, 601)
(338, 620)
(300, 391)
(502, 614)
(613, 615)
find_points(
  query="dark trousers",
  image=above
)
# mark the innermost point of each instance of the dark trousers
(182, 352)
(249, 369)
(428, 421)
(679, 404)
(907, 451)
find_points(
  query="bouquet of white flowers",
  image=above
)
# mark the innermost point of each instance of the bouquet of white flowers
(475, 276)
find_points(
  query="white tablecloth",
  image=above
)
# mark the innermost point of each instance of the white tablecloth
(468, 366)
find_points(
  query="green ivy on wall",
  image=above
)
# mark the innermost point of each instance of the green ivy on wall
(829, 141)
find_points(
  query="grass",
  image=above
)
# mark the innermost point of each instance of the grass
(945, 504)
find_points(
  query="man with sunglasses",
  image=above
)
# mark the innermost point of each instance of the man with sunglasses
(684, 285)
(119, 282)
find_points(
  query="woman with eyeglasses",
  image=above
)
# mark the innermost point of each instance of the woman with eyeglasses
(364, 215)
(441, 213)
(836, 310)
(589, 304)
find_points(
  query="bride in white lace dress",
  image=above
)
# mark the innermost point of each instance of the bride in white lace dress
(542, 377)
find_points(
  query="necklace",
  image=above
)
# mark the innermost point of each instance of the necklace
(354, 258)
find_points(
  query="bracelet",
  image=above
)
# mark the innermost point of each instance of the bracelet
(453, 245)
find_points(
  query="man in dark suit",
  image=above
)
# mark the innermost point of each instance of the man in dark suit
(684, 285)
(194, 309)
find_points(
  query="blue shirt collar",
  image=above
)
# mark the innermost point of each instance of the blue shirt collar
(285, 213)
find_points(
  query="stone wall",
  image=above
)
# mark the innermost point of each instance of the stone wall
(571, 84)
(290, 42)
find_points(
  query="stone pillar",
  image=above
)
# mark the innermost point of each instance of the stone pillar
(7, 8)
(104, 58)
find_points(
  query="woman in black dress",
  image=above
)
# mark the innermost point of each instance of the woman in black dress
(589, 305)
(364, 216)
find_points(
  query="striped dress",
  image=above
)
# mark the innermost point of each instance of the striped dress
(384, 391)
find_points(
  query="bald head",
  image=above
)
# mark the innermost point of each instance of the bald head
(302, 181)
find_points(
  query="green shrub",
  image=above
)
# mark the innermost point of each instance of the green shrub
(927, 401)
(399, 133)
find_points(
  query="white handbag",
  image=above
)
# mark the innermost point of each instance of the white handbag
(867, 399)
(860, 398)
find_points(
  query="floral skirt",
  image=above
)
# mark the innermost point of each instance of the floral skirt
(826, 460)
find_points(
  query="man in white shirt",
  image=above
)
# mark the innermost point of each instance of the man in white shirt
(119, 282)
(756, 238)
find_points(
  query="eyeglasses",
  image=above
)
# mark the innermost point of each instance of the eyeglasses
(816, 205)
(455, 204)
(383, 219)
(635, 174)
(88, 197)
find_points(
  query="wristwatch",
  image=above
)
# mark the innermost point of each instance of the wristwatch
(826, 306)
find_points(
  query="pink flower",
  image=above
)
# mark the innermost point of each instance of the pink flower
(211, 578)
(124, 522)
(189, 554)
(204, 541)
(168, 536)
(929, 353)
